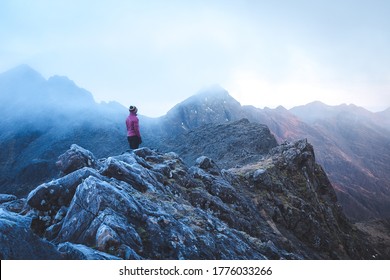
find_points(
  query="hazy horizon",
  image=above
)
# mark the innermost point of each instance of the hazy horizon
(210, 89)
(156, 54)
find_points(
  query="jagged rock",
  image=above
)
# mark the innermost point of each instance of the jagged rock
(300, 199)
(294, 155)
(16, 206)
(18, 242)
(117, 219)
(11, 203)
(229, 144)
(76, 158)
(81, 252)
(6, 198)
(262, 178)
(132, 173)
(207, 164)
(57, 193)
(94, 203)
(150, 205)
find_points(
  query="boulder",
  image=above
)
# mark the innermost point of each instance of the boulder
(59, 192)
(76, 158)
(6, 198)
(81, 252)
(18, 242)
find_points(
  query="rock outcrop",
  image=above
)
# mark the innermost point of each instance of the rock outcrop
(150, 205)
(228, 144)
(17, 241)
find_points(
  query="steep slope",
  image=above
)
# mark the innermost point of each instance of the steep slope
(353, 148)
(316, 111)
(149, 205)
(282, 123)
(229, 144)
(385, 118)
(213, 105)
(351, 143)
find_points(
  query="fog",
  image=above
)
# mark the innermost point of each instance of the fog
(154, 54)
(34, 110)
(41, 118)
(28, 101)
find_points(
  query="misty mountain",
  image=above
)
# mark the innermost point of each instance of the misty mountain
(317, 111)
(24, 91)
(203, 108)
(385, 118)
(39, 118)
(353, 145)
(42, 121)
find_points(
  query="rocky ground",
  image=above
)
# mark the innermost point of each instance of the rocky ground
(150, 205)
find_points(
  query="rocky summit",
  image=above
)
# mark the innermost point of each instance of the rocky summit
(146, 204)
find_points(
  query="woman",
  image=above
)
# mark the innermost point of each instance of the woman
(132, 124)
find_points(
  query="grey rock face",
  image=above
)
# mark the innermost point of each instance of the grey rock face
(82, 252)
(57, 193)
(17, 241)
(76, 158)
(229, 144)
(7, 198)
(150, 205)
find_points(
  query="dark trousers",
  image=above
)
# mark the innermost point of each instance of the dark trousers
(133, 142)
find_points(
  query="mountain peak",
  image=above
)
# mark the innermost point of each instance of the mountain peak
(210, 105)
(22, 72)
(22, 68)
(23, 88)
(215, 89)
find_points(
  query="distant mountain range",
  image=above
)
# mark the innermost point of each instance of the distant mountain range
(351, 143)
(41, 118)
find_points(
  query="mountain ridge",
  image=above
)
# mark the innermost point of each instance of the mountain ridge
(149, 205)
(343, 138)
(236, 183)
(343, 144)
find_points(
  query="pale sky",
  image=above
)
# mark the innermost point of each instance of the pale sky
(155, 54)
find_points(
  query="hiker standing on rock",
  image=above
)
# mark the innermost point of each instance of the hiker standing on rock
(132, 124)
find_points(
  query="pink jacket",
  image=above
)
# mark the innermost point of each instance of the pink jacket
(132, 124)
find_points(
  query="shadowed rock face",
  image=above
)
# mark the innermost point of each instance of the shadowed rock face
(351, 143)
(17, 241)
(150, 205)
(229, 144)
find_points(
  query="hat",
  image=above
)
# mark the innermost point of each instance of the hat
(133, 109)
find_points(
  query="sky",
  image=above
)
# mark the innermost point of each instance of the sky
(154, 54)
